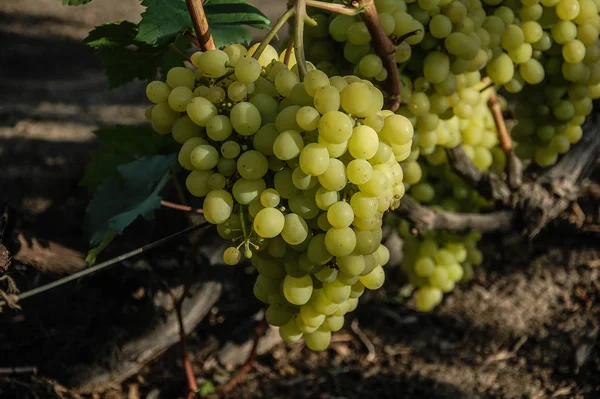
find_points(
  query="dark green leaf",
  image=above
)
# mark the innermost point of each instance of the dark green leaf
(164, 19)
(139, 140)
(227, 34)
(117, 203)
(75, 2)
(102, 166)
(173, 58)
(124, 59)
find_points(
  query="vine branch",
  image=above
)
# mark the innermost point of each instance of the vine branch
(386, 50)
(196, 11)
(426, 219)
(334, 8)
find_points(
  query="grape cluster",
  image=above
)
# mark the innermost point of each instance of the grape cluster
(297, 173)
(438, 261)
(555, 48)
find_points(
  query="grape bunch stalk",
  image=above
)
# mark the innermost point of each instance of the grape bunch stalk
(296, 169)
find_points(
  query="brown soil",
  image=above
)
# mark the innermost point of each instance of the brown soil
(526, 327)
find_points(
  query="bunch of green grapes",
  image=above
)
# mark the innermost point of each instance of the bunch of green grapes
(555, 49)
(438, 261)
(297, 173)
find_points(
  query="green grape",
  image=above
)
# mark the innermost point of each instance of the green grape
(235, 52)
(436, 67)
(197, 182)
(247, 69)
(265, 137)
(288, 145)
(325, 198)
(424, 266)
(180, 76)
(426, 298)
(245, 118)
(278, 315)
(423, 192)
(318, 340)
(230, 149)
(440, 26)
(245, 191)
(237, 91)
(418, 104)
(216, 181)
(216, 95)
(545, 157)
(311, 317)
(340, 241)
(269, 198)
(513, 37)
(227, 167)
(217, 206)
(532, 31)
(573, 51)
(266, 105)
(521, 54)
(308, 118)
(302, 181)
(340, 215)
(163, 116)
(184, 129)
(314, 80)
(358, 34)
(403, 52)
(363, 143)
(201, 91)
(567, 9)
(334, 178)
(336, 291)
(355, 98)
(200, 110)
(297, 291)
(359, 171)
(326, 99)
(501, 69)
(286, 120)
(338, 27)
(204, 157)
(252, 165)
(268, 223)
(157, 92)
(374, 280)
(370, 65)
(232, 256)
(564, 111)
(285, 82)
(335, 127)
(218, 128)
(314, 159)
(559, 144)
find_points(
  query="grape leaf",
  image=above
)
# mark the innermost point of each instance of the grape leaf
(75, 2)
(164, 19)
(117, 203)
(139, 140)
(103, 165)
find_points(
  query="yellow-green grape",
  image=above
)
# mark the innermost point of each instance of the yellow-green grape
(197, 182)
(285, 82)
(219, 128)
(334, 178)
(308, 118)
(246, 191)
(204, 157)
(336, 292)
(359, 171)
(286, 119)
(157, 92)
(252, 165)
(245, 118)
(317, 340)
(340, 242)
(397, 129)
(335, 127)
(235, 52)
(326, 99)
(370, 65)
(287, 145)
(314, 159)
(237, 91)
(297, 290)
(186, 150)
(295, 229)
(363, 143)
(268, 222)
(232, 256)
(184, 129)
(427, 298)
(500, 69)
(200, 110)
(436, 67)
(290, 332)
(213, 63)
(270, 198)
(374, 280)
(314, 80)
(218, 205)
(355, 98)
(230, 149)
(180, 76)
(247, 70)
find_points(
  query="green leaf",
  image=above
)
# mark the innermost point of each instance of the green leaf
(206, 388)
(224, 35)
(117, 203)
(75, 2)
(103, 165)
(139, 140)
(123, 57)
(164, 19)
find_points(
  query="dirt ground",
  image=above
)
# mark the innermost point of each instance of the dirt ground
(526, 327)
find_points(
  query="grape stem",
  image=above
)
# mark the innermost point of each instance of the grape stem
(301, 17)
(196, 10)
(179, 207)
(385, 49)
(288, 53)
(273, 32)
(334, 8)
(514, 167)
